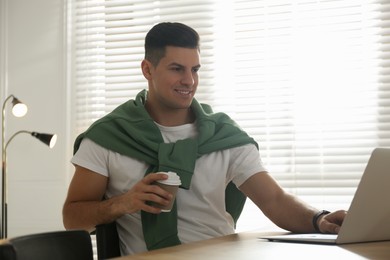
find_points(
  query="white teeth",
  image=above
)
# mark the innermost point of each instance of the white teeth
(184, 92)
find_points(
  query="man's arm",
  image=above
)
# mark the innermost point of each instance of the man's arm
(286, 210)
(84, 207)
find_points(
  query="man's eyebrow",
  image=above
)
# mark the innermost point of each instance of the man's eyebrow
(182, 66)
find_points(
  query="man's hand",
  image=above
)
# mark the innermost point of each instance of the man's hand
(84, 207)
(135, 199)
(331, 222)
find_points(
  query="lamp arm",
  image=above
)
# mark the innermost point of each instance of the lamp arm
(4, 176)
(5, 102)
(4, 200)
(3, 125)
(13, 136)
(41, 137)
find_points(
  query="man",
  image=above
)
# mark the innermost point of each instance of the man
(122, 155)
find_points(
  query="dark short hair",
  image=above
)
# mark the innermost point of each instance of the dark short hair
(168, 34)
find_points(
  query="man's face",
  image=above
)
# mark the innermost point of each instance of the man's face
(173, 82)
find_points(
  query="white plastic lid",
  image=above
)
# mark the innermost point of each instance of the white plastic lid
(173, 179)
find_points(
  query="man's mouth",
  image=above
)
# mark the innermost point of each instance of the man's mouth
(183, 92)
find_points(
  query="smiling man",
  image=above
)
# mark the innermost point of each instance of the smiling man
(121, 156)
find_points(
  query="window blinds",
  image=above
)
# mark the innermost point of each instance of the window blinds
(308, 79)
(311, 85)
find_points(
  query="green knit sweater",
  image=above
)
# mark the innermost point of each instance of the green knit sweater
(129, 130)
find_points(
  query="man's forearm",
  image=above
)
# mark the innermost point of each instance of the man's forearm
(88, 214)
(294, 215)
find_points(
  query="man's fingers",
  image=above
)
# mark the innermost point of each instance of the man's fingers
(152, 177)
(331, 228)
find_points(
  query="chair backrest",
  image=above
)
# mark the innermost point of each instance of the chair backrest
(59, 245)
(107, 241)
(7, 252)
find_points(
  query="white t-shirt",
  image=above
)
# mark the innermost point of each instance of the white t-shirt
(201, 209)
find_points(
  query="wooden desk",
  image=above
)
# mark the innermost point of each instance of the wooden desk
(246, 245)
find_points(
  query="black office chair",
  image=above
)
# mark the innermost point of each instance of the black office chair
(7, 252)
(107, 241)
(59, 245)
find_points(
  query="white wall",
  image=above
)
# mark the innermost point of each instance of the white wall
(33, 68)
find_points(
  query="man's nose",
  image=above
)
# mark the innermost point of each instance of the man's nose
(188, 79)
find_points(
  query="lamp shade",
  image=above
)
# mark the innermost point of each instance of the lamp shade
(19, 109)
(48, 139)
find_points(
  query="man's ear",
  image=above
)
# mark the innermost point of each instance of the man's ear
(146, 67)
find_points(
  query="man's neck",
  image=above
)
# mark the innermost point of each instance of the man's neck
(170, 117)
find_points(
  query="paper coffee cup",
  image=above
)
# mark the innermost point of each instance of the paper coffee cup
(171, 185)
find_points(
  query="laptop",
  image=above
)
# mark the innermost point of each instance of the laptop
(368, 217)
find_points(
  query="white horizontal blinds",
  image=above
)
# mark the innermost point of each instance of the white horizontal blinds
(384, 79)
(108, 49)
(311, 84)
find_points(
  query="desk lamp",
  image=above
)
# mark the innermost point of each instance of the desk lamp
(19, 110)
